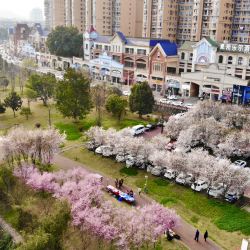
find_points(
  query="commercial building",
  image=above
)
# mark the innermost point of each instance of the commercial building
(148, 60)
(210, 68)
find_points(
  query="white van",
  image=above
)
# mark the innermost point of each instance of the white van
(217, 190)
(137, 130)
(170, 174)
(199, 185)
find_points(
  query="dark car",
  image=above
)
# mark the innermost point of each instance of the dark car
(231, 197)
(150, 127)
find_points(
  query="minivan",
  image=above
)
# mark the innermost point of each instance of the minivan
(137, 130)
(199, 185)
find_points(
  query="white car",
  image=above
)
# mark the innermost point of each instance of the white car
(126, 93)
(178, 103)
(157, 171)
(217, 190)
(137, 130)
(199, 185)
(130, 161)
(170, 174)
(107, 151)
(181, 179)
(188, 105)
(104, 150)
(240, 163)
(121, 158)
(164, 101)
(172, 97)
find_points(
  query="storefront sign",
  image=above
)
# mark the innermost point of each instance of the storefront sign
(235, 47)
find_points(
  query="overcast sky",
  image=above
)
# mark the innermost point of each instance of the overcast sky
(18, 8)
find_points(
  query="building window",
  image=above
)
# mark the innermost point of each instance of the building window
(191, 57)
(240, 61)
(157, 67)
(129, 51)
(182, 56)
(129, 64)
(141, 52)
(220, 59)
(230, 60)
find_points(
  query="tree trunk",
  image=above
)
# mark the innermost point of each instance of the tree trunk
(14, 113)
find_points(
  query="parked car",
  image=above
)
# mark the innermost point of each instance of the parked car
(181, 179)
(199, 185)
(137, 130)
(173, 97)
(150, 127)
(232, 196)
(121, 157)
(164, 101)
(217, 190)
(188, 105)
(104, 150)
(126, 93)
(99, 150)
(157, 171)
(170, 174)
(130, 161)
(179, 103)
(240, 163)
(107, 151)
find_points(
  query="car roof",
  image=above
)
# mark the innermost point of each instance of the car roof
(138, 126)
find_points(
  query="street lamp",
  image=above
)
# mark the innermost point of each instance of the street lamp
(146, 184)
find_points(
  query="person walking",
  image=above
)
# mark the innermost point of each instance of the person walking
(139, 191)
(116, 183)
(206, 235)
(197, 234)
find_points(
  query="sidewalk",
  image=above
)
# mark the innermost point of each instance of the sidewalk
(185, 230)
(17, 238)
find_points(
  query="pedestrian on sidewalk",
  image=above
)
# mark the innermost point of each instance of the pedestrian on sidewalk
(206, 235)
(197, 234)
(116, 183)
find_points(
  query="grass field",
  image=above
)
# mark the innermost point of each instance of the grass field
(226, 223)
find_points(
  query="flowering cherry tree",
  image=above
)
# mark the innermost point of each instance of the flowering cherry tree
(40, 145)
(95, 216)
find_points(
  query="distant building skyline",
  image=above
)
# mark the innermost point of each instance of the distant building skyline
(36, 15)
(16, 9)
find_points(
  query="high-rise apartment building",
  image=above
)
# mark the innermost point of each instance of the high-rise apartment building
(79, 15)
(109, 16)
(58, 13)
(48, 14)
(160, 19)
(36, 15)
(241, 22)
(188, 20)
(131, 17)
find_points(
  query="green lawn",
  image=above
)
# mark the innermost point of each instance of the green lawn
(40, 114)
(226, 223)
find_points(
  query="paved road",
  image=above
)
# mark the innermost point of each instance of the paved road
(17, 238)
(185, 230)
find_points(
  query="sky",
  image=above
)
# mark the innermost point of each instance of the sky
(18, 8)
